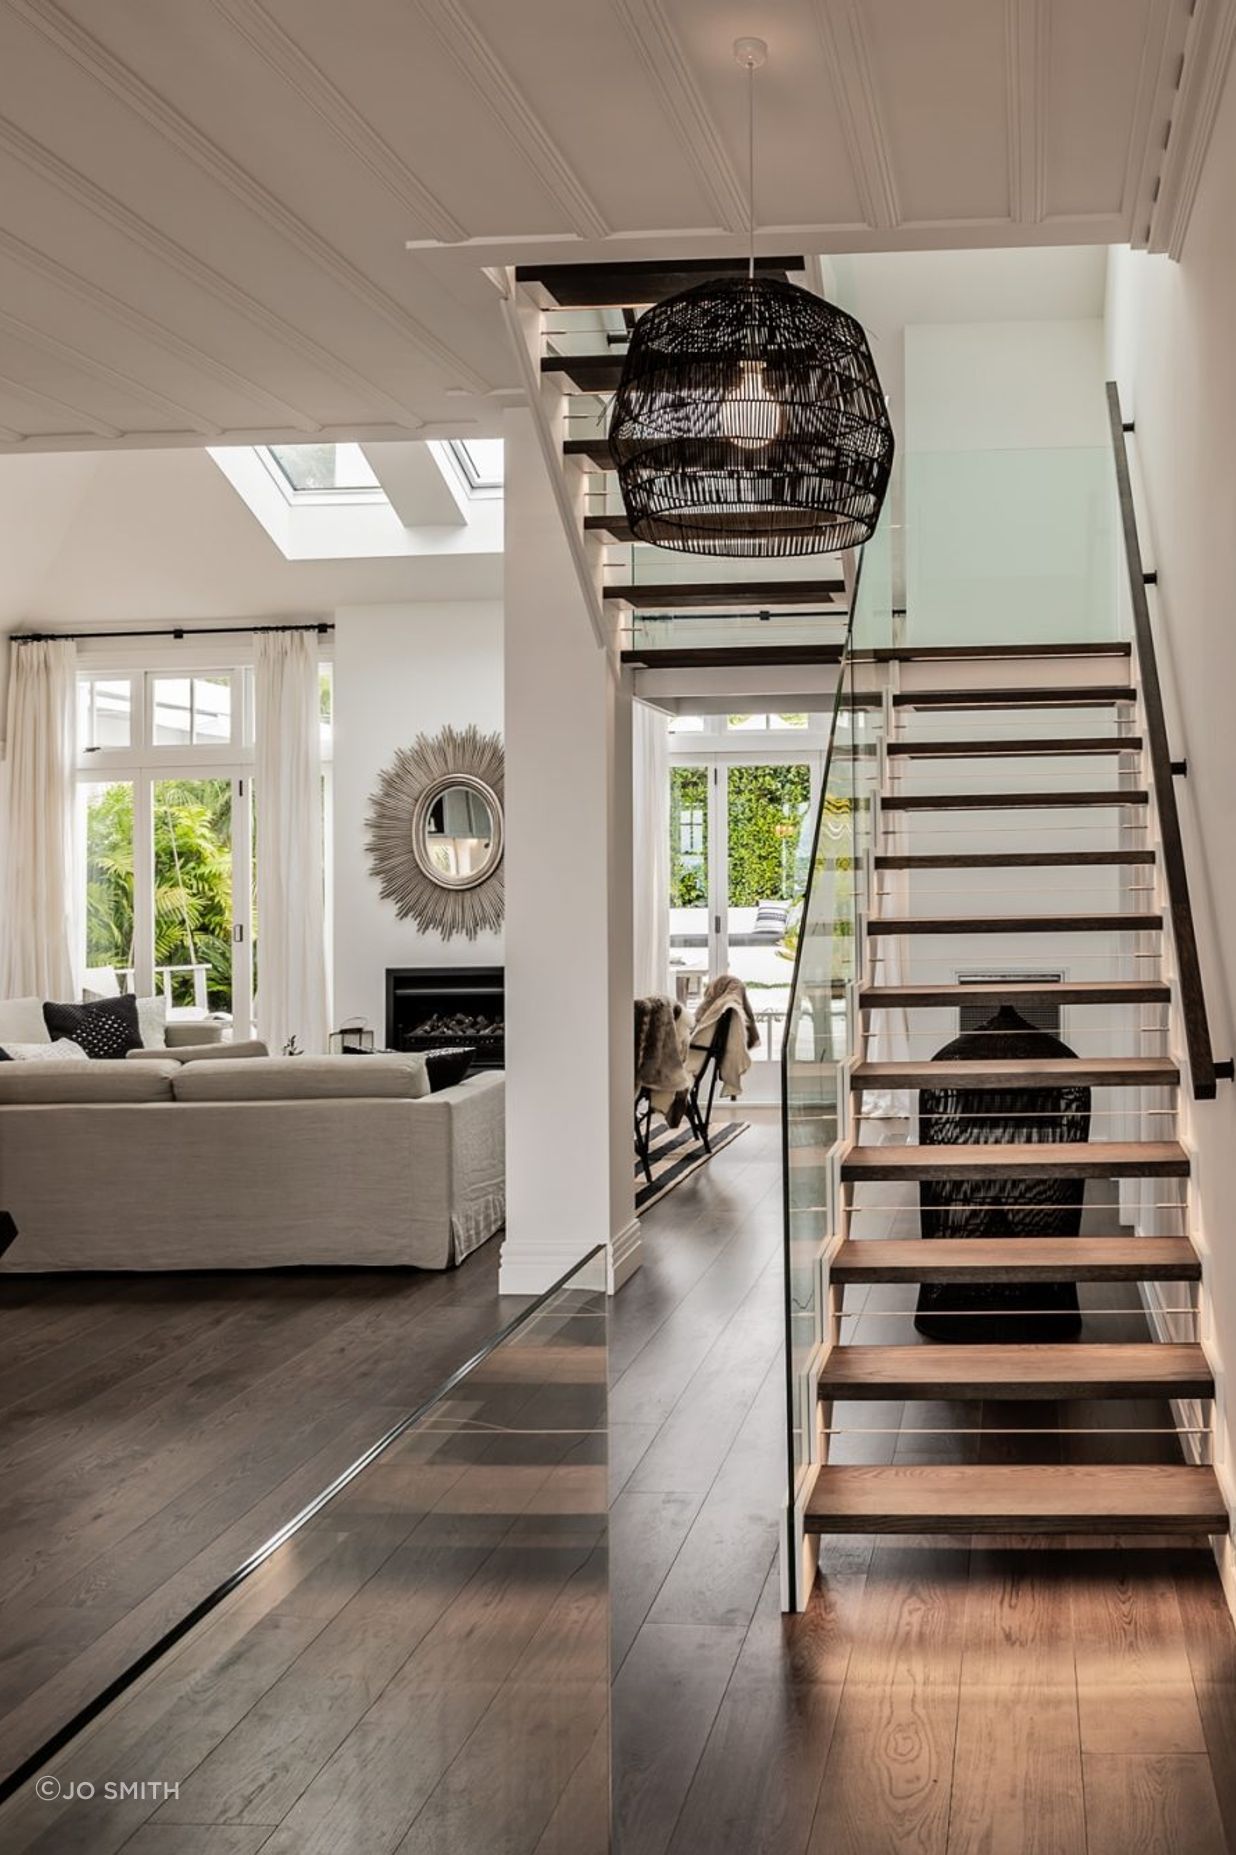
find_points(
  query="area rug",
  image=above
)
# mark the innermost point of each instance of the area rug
(675, 1155)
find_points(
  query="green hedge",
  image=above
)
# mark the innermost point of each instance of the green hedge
(761, 864)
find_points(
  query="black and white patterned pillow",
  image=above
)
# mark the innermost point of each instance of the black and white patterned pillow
(107, 1028)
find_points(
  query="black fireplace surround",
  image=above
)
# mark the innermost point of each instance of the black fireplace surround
(432, 1007)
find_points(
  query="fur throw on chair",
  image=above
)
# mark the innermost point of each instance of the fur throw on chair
(725, 997)
(661, 1038)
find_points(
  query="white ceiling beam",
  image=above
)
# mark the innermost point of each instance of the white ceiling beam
(86, 193)
(102, 302)
(1028, 71)
(1207, 56)
(1157, 77)
(475, 58)
(93, 57)
(95, 428)
(651, 33)
(110, 376)
(297, 70)
(848, 55)
(417, 486)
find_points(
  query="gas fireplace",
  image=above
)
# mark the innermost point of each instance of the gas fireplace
(431, 1007)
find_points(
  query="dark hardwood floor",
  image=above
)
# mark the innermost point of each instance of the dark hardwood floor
(945, 1697)
(942, 1697)
(154, 1431)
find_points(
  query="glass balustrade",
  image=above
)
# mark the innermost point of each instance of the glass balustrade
(420, 1658)
(821, 1029)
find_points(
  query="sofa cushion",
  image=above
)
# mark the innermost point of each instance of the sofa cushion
(194, 1030)
(21, 1021)
(24, 1085)
(201, 1052)
(105, 1029)
(303, 1078)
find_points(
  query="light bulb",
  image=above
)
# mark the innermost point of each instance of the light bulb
(751, 416)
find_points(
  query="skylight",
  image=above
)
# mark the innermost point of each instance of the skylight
(306, 468)
(480, 460)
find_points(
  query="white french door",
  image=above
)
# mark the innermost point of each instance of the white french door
(193, 889)
(759, 808)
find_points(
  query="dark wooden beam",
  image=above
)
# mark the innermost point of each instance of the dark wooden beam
(620, 286)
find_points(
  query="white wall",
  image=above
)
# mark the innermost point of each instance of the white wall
(400, 671)
(570, 974)
(1007, 482)
(1170, 338)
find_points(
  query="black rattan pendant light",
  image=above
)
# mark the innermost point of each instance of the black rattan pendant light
(749, 419)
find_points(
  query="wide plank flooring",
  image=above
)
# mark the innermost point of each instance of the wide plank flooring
(156, 1430)
(943, 1697)
(971, 1696)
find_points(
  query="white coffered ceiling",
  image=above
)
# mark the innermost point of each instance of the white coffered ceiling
(225, 220)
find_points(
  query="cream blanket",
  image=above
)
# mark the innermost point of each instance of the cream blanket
(726, 998)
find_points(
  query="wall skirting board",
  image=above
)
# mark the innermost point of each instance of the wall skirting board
(538, 1266)
(625, 1255)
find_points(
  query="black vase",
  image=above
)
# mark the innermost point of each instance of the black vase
(963, 1208)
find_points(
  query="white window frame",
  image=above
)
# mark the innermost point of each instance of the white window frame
(716, 753)
(143, 764)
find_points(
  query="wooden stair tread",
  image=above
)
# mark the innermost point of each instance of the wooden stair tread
(1082, 1159)
(946, 653)
(591, 451)
(1007, 859)
(1128, 1369)
(588, 373)
(736, 656)
(1016, 1259)
(726, 595)
(1019, 801)
(617, 527)
(1151, 1497)
(639, 282)
(1027, 748)
(1020, 1072)
(1018, 991)
(1016, 924)
(1083, 695)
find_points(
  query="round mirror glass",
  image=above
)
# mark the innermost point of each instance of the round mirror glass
(458, 833)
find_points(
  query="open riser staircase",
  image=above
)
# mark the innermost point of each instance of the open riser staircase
(1015, 863)
(1019, 851)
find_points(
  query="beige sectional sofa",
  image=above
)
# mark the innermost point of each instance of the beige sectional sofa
(266, 1163)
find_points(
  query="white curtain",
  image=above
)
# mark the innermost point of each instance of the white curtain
(650, 757)
(37, 823)
(292, 998)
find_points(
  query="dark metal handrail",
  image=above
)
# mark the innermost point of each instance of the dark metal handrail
(1203, 1069)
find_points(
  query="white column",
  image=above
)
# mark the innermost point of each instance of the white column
(569, 1081)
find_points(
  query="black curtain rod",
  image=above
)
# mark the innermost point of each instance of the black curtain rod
(175, 631)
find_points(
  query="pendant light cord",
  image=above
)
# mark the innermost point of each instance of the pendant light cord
(751, 171)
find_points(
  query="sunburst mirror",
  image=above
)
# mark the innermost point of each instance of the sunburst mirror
(435, 832)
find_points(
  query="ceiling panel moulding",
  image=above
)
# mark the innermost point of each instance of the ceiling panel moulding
(94, 58)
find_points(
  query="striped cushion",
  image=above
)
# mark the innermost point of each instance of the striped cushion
(772, 918)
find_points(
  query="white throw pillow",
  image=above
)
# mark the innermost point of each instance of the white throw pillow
(152, 1022)
(21, 1021)
(64, 1050)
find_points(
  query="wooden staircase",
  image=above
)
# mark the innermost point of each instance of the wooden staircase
(1134, 1493)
